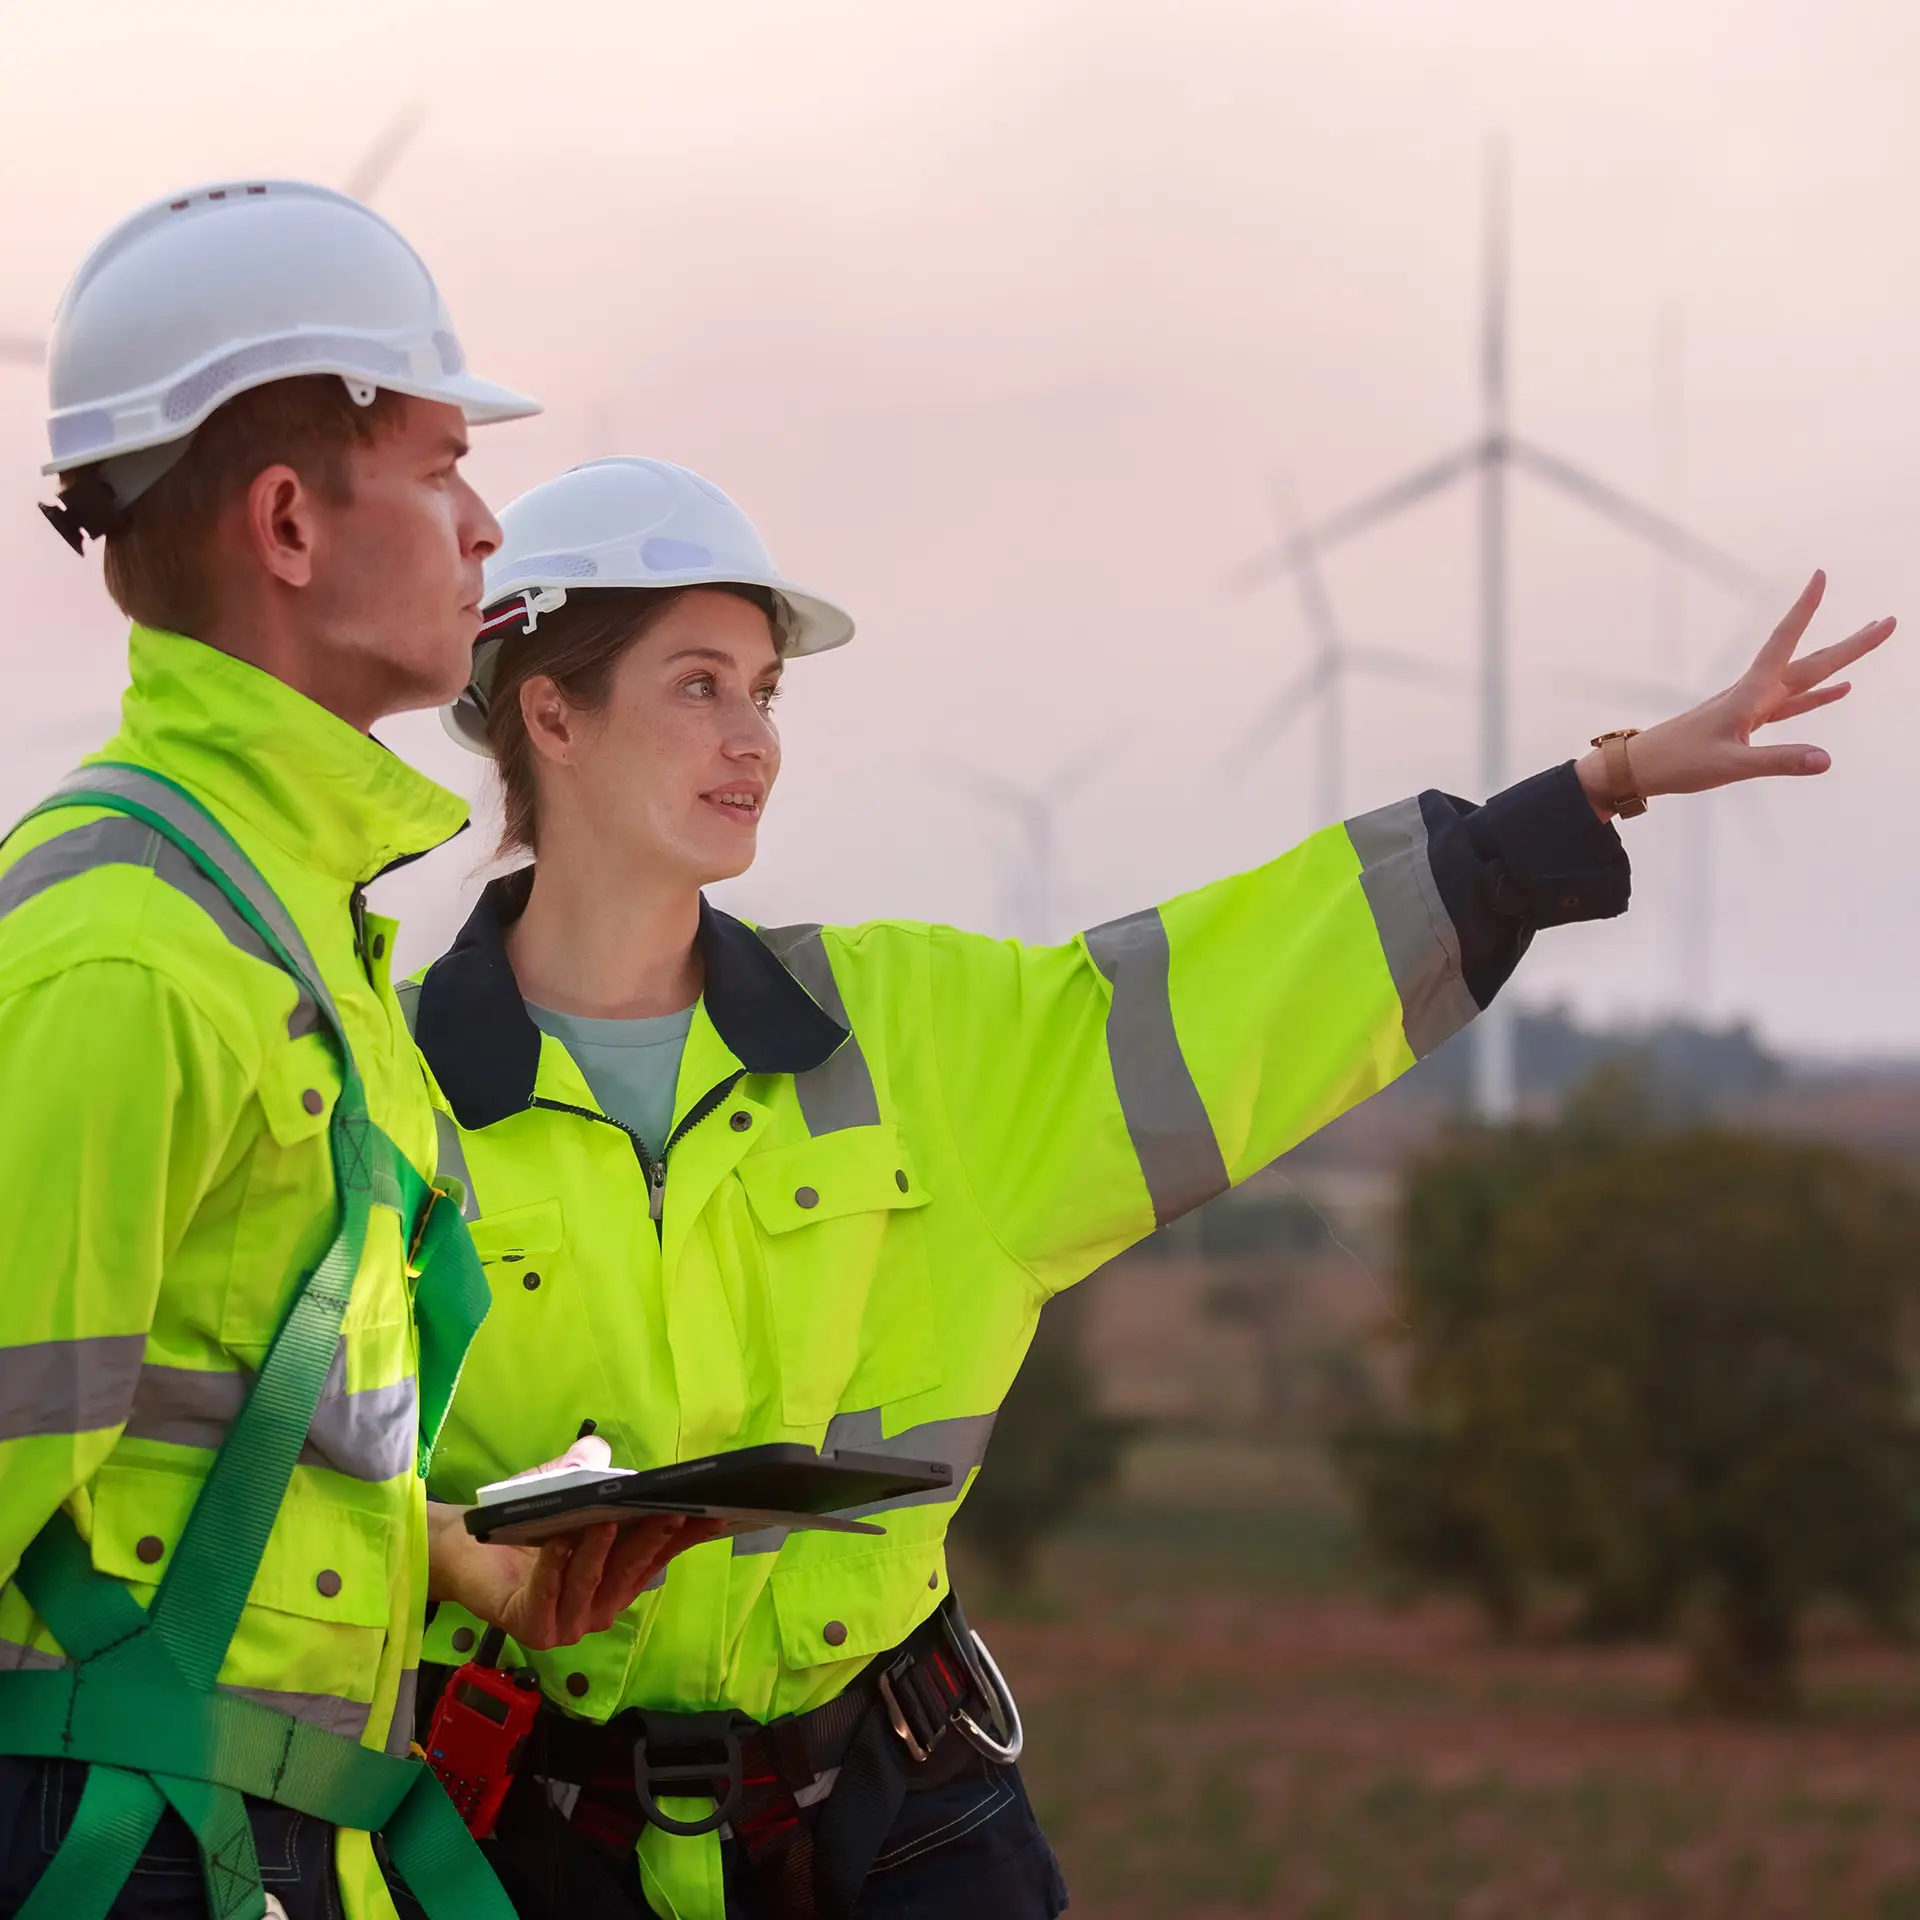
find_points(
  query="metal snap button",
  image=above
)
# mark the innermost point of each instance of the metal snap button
(933, 1581)
(313, 1100)
(900, 1178)
(834, 1633)
(463, 1639)
(379, 946)
(327, 1581)
(577, 1684)
(805, 1197)
(740, 1122)
(529, 1281)
(149, 1549)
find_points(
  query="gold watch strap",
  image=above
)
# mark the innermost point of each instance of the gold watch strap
(1627, 800)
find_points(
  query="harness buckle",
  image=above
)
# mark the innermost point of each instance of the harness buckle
(689, 1753)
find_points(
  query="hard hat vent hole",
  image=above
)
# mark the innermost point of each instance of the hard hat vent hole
(663, 555)
(569, 566)
(189, 397)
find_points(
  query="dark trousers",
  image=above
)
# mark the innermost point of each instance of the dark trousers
(964, 1850)
(37, 1802)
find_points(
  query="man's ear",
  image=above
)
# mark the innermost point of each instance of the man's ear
(280, 525)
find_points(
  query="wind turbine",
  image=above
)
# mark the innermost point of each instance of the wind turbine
(369, 175)
(1031, 883)
(1323, 678)
(1489, 456)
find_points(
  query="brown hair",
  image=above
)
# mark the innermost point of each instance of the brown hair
(156, 564)
(577, 647)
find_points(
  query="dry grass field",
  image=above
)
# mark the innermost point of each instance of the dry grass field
(1223, 1723)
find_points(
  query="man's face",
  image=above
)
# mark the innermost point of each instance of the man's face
(396, 574)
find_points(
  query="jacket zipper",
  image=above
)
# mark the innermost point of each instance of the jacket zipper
(655, 1171)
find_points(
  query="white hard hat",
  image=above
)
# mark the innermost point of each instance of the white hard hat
(204, 294)
(624, 522)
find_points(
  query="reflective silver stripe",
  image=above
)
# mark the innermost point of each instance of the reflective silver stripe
(960, 1443)
(1416, 932)
(369, 1435)
(325, 1710)
(17, 1658)
(193, 826)
(1166, 1119)
(117, 841)
(68, 1386)
(331, 1714)
(400, 1731)
(452, 1159)
(838, 1093)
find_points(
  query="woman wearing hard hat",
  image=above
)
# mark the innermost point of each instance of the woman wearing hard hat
(736, 1185)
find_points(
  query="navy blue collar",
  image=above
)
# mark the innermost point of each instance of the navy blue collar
(484, 1050)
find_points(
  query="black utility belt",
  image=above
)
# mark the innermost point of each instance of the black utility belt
(939, 1682)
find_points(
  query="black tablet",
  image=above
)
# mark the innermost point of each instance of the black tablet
(778, 1485)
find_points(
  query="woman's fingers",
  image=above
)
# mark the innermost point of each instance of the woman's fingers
(1831, 660)
(1767, 763)
(1772, 658)
(1805, 703)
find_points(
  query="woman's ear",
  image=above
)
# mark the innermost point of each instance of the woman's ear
(552, 724)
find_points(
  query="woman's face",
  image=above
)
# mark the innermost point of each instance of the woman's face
(679, 764)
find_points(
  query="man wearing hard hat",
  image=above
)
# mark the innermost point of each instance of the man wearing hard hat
(235, 1304)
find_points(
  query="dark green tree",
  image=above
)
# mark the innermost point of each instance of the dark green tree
(1052, 1448)
(1664, 1374)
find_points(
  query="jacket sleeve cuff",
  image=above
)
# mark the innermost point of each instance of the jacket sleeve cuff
(1533, 856)
(1550, 859)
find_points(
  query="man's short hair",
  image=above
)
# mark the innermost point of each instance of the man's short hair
(157, 565)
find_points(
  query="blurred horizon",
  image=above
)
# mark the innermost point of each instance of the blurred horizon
(1004, 325)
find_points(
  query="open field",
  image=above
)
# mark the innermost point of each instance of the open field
(1221, 1723)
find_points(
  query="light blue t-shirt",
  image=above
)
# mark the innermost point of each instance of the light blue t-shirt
(633, 1066)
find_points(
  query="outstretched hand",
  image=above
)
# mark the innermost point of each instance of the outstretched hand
(1711, 745)
(566, 1588)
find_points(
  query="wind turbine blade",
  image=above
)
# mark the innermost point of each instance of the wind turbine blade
(1276, 719)
(1310, 584)
(1402, 666)
(981, 785)
(1357, 518)
(1076, 773)
(383, 156)
(1655, 528)
(22, 349)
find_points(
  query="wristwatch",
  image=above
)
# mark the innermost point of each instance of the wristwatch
(1627, 800)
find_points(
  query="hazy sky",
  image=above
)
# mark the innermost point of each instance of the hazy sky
(1004, 319)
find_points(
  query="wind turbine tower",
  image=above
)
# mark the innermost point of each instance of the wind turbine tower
(1490, 457)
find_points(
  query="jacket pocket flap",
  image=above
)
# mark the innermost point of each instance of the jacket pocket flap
(519, 1230)
(859, 1170)
(324, 1561)
(853, 1605)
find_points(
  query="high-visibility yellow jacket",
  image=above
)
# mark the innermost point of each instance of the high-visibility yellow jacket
(892, 1144)
(165, 1179)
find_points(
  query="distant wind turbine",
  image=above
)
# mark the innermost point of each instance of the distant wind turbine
(1031, 880)
(1490, 456)
(366, 180)
(1323, 678)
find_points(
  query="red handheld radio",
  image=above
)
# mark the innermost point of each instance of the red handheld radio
(479, 1731)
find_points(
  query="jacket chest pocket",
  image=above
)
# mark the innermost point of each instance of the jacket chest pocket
(840, 1232)
(533, 1357)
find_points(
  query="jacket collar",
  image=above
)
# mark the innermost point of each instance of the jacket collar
(474, 1029)
(331, 798)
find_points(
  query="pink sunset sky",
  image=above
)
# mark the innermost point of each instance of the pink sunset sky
(1003, 320)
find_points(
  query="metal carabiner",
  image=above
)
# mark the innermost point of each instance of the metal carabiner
(1006, 1714)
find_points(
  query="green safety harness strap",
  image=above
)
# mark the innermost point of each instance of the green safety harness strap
(138, 1702)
